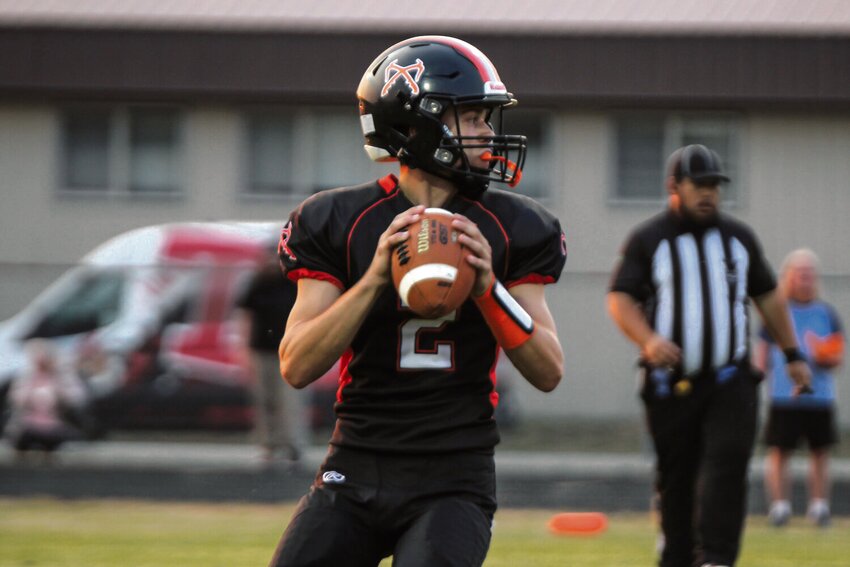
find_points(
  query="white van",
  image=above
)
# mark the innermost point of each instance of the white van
(146, 319)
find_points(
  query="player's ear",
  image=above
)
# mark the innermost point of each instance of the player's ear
(672, 191)
(670, 185)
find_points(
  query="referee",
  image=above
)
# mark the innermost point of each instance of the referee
(680, 293)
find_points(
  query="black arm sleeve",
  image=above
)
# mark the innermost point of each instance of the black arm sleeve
(538, 248)
(633, 274)
(310, 242)
(760, 278)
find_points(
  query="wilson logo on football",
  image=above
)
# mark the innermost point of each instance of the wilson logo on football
(410, 74)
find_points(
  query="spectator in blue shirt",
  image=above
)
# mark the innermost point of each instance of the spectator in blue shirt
(811, 416)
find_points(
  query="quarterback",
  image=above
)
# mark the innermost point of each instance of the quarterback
(410, 470)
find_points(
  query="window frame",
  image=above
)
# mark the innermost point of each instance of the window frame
(674, 130)
(119, 152)
(305, 132)
(549, 151)
(246, 117)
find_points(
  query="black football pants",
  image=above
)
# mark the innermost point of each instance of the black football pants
(425, 511)
(703, 440)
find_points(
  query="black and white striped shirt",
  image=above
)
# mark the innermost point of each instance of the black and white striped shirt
(694, 282)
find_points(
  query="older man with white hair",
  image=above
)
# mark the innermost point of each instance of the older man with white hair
(811, 417)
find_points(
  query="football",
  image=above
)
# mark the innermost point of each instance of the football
(429, 269)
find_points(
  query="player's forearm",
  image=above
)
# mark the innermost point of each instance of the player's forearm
(540, 360)
(760, 355)
(524, 327)
(310, 347)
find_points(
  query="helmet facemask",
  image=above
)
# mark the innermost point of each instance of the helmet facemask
(405, 95)
(505, 153)
(435, 148)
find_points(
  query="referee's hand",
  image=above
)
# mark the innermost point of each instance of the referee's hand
(659, 351)
(801, 375)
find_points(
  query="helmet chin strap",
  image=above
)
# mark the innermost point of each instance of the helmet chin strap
(475, 181)
(469, 185)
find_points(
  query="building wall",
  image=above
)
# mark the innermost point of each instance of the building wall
(795, 193)
(43, 227)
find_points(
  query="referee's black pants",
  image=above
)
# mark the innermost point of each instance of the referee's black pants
(703, 436)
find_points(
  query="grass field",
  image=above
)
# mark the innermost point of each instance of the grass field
(43, 532)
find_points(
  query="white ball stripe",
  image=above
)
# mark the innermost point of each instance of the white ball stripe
(438, 211)
(425, 272)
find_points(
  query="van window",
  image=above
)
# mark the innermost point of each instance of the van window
(93, 304)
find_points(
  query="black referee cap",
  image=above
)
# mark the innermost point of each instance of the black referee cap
(696, 162)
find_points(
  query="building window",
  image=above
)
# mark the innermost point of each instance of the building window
(269, 149)
(338, 155)
(86, 150)
(154, 162)
(644, 140)
(120, 150)
(536, 174)
(329, 151)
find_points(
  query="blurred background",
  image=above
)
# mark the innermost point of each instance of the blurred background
(149, 150)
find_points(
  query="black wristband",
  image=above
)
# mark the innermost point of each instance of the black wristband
(793, 354)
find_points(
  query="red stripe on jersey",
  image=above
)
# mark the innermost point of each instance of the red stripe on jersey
(532, 279)
(353, 226)
(501, 228)
(344, 374)
(296, 275)
(388, 183)
(494, 395)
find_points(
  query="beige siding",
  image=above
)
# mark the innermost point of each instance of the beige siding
(800, 186)
(795, 188)
(27, 215)
(40, 225)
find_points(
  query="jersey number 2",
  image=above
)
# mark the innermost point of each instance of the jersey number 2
(412, 357)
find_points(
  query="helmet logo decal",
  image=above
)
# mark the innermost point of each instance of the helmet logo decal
(495, 87)
(410, 74)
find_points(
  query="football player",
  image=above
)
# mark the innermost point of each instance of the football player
(410, 470)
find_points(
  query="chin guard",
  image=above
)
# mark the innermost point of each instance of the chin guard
(510, 171)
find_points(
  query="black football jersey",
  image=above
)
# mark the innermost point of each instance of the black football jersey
(407, 384)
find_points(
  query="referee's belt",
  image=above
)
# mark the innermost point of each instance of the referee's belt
(671, 379)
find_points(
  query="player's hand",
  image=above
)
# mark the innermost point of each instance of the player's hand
(396, 233)
(801, 375)
(481, 255)
(658, 351)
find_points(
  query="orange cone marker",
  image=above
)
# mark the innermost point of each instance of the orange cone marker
(578, 523)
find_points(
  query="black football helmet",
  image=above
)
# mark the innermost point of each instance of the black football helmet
(404, 94)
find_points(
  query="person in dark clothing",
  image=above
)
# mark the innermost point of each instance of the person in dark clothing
(280, 426)
(680, 293)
